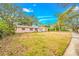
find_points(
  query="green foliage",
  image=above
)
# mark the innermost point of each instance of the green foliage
(51, 29)
(11, 14)
(56, 28)
(69, 18)
(5, 29)
(28, 20)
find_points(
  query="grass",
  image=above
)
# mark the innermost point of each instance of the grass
(36, 44)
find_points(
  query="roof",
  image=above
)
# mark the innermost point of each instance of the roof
(23, 26)
(26, 26)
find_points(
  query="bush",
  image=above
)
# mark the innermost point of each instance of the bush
(57, 29)
(5, 29)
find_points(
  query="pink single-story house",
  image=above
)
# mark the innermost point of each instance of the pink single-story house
(24, 28)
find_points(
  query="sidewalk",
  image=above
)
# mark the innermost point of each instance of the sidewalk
(73, 48)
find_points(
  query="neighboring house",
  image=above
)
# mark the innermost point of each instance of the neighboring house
(24, 28)
(43, 28)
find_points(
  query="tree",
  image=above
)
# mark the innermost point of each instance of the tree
(10, 14)
(70, 18)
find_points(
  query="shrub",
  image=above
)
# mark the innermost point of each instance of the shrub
(57, 29)
(5, 28)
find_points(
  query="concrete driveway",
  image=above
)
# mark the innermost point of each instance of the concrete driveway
(73, 48)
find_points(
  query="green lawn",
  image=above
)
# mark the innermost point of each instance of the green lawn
(35, 44)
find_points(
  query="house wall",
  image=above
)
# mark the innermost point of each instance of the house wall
(41, 29)
(23, 30)
(20, 30)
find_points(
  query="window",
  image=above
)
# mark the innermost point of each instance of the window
(36, 29)
(23, 28)
(31, 29)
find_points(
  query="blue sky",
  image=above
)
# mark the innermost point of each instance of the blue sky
(45, 12)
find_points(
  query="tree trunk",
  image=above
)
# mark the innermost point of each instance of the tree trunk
(59, 26)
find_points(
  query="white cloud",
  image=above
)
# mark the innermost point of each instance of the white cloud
(45, 16)
(42, 20)
(27, 10)
(45, 19)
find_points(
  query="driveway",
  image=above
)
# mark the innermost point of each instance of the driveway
(73, 48)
